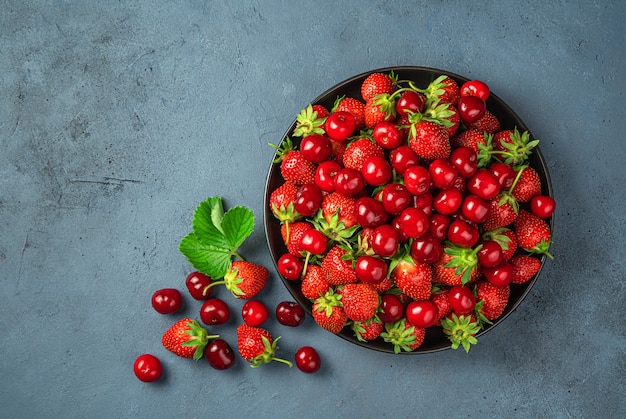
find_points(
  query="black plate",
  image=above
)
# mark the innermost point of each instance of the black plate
(435, 340)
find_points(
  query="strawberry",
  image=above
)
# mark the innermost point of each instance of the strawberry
(461, 330)
(503, 210)
(368, 330)
(358, 151)
(383, 285)
(355, 107)
(524, 268)
(257, 346)
(186, 338)
(291, 234)
(413, 278)
(454, 120)
(281, 203)
(338, 149)
(526, 185)
(336, 269)
(469, 138)
(377, 84)
(429, 140)
(403, 336)
(360, 301)
(506, 238)
(313, 283)
(440, 298)
(533, 233)
(513, 147)
(379, 109)
(494, 299)
(297, 169)
(456, 266)
(342, 205)
(245, 279)
(310, 121)
(328, 313)
(487, 123)
(444, 90)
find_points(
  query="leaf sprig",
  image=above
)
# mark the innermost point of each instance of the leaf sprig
(216, 236)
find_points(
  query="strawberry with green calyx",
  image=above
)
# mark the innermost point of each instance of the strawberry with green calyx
(403, 336)
(294, 167)
(505, 237)
(333, 228)
(377, 84)
(412, 278)
(328, 313)
(378, 109)
(257, 346)
(472, 139)
(359, 150)
(353, 106)
(281, 203)
(443, 89)
(313, 283)
(457, 265)
(337, 266)
(291, 234)
(503, 209)
(187, 339)
(216, 236)
(308, 122)
(429, 140)
(243, 279)
(461, 330)
(533, 233)
(526, 184)
(343, 206)
(493, 299)
(513, 147)
(368, 330)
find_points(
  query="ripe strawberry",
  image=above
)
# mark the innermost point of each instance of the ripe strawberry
(440, 298)
(503, 211)
(454, 120)
(487, 123)
(297, 169)
(334, 202)
(281, 202)
(383, 285)
(403, 336)
(379, 109)
(378, 84)
(310, 121)
(292, 233)
(429, 140)
(328, 313)
(506, 238)
(461, 330)
(494, 299)
(527, 185)
(245, 279)
(456, 266)
(336, 269)
(368, 330)
(355, 107)
(313, 283)
(443, 90)
(360, 301)
(513, 147)
(358, 151)
(338, 149)
(413, 278)
(257, 346)
(533, 233)
(469, 138)
(524, 268)
(186, 338)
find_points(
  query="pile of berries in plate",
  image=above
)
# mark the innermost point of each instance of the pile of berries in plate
(408, 212)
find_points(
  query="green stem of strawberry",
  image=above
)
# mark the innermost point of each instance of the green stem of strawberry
(517, 178)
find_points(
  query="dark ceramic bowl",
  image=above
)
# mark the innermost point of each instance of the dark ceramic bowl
(435, 339)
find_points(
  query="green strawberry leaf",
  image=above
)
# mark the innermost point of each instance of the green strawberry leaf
(207, 220)
(237, 225)
(206, 258)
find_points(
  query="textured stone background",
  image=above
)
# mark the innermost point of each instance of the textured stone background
(118, 118)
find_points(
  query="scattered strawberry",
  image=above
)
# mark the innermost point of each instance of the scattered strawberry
(244, 279)
(257, 346)
(187, 339)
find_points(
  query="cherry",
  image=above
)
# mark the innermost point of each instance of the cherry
(308, 360)
(417, 179)
(438, 226)
(483, 184)
(308, 199)
(475, 209)
(475, 88)
(461, 299)
(340, 125)
(462, 233)
(448, 201)
(387, 135)
(376, 171)
(391, 307)
(370, 269)
(314, 241)
(325, 175)
(167, 300)
(289, 313)
(410, 102)
(385, 241)
(290, 266)
(254, 313)
(316, 148)
(413, 222)
(349, 182)
(403, 157)
(426, 249)
(490, 254)
(442, 173)
(504, 173)
(422, 314)
(219, 354)
(471, 108)
(370, 212)
(395, 198)
(214, 311)
(197, 283)
(501, 275)
(465, 161)
(147, 368)
(542, 206)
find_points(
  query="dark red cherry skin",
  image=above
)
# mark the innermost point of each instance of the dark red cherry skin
(197, 283)
(392, 308)
(219, 354)
(316, 148)
(308, 360)
(167, 300)
(214, 311)
(289, 313)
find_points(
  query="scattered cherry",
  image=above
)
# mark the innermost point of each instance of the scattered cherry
(254, 313)
(308, 360)
(167, 300)
(289, 313)
(196, 283)
(214, 311)
(148, 368)
(219, 354)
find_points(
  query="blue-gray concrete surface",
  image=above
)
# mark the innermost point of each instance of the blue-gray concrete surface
(119, 117)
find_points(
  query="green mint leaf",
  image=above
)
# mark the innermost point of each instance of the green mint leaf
(237, 225)
(206, 258)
